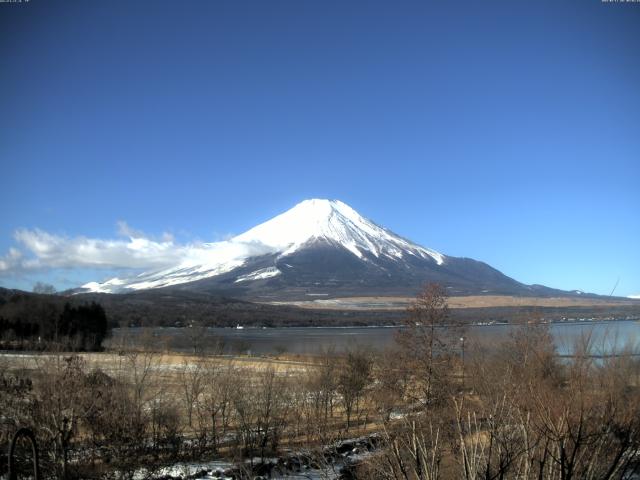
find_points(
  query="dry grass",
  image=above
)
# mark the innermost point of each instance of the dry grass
(472, 301)
(165, 362)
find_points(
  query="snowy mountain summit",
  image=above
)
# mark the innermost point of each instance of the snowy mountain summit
(331, 221)
(317, 248)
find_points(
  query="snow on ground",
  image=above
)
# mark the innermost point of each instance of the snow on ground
(294, 465)
(259, 274)
(217, 469)
(179, 470)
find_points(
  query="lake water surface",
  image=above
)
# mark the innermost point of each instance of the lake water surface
(606, 337)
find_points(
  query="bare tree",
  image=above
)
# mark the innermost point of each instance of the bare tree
(218, 390)
(62, 406)
(353, 377)
(191, 380)
(321, 388)
(427, 344)
(272, 404)
(196, 333)
(412, 452)
(534, 417)
(136, 370)
(391, 380)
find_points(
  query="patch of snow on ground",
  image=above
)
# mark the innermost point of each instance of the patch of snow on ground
(259, 274)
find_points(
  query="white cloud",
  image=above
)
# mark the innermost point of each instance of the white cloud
(637, 296)
(40, 250)
(45, 250)
(10, 260)
(126, 231)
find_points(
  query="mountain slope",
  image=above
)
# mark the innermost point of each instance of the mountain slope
(321, 248)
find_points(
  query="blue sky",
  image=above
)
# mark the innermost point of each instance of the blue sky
(504, 131)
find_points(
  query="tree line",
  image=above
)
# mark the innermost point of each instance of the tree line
(38, 321)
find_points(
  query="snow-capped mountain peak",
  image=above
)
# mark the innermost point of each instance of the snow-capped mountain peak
(333, 221)
(314, 221)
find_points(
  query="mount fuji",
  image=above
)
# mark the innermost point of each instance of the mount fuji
(319, 249)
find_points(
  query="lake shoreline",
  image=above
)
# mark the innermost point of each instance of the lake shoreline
(346, 327)
(314, 339)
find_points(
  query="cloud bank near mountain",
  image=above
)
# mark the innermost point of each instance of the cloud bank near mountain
(37, 249)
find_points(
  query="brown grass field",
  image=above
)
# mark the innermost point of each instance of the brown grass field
(472, 301)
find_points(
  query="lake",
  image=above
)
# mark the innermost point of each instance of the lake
(607, 336)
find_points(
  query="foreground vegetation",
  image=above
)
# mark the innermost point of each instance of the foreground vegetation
(515, 410)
